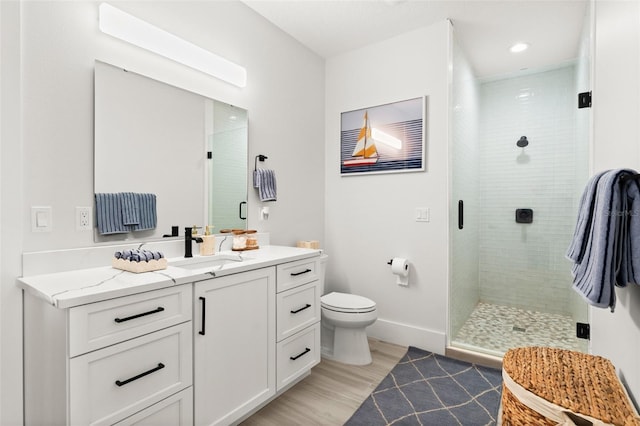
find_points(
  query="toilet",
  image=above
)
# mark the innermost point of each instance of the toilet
(345, 318)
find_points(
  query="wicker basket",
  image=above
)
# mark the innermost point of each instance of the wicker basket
(580, 383)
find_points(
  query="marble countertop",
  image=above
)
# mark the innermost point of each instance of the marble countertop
(82, 286)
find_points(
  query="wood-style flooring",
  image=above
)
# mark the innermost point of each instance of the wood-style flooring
(332, 393)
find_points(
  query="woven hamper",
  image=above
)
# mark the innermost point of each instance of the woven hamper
(564, 387)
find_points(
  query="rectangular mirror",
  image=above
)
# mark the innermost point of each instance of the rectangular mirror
(187, 150)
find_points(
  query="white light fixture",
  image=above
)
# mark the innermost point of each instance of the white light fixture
(386, 138)
(142, 34)
(519, 47)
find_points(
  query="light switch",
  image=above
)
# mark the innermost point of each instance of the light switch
(422, 214)
(41, 220)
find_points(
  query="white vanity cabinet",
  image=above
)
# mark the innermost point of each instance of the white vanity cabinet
(298, 320)
(124, 361)
(182, 346)
(234, 345)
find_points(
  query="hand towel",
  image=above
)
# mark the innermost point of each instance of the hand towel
(148, 216)
(265, 181)
(123, 212)
(600, 235)
(130, 208)
(109, 214)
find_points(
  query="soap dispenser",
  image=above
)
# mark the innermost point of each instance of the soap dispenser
(208, 246)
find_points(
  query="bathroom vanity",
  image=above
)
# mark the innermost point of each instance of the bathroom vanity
(196, 343)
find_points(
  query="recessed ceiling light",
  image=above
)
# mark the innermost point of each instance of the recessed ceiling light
(519, 47)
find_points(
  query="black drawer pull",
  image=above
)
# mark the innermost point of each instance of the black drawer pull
(141, 375)
(155, 311)
(204, 319)
(293, 358)
(295, 274)
(301, 309)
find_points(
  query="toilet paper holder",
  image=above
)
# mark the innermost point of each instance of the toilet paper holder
(400, 268)
(390, 262)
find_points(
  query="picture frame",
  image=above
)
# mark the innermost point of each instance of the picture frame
(387, 138)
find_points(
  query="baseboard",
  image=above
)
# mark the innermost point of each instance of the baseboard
(408, 335)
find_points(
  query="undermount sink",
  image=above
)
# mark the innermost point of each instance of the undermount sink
(205, 262)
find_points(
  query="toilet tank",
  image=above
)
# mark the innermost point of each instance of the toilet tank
(322, 269)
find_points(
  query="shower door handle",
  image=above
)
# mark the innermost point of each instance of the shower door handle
(460, 214)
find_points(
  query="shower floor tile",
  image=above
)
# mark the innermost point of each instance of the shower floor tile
(495, 329)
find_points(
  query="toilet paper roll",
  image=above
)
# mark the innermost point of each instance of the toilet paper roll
(400, 266)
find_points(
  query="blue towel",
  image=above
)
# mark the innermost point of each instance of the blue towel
(109, 214)
(148, 217)
(130, 208)
(265, 181)
(124, 212)
(629, 268)
(601, 237)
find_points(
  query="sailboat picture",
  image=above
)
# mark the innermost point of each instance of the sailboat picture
(365, 151)
(383, 139)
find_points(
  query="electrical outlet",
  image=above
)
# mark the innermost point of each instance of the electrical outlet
(83, 219)
(264, 213)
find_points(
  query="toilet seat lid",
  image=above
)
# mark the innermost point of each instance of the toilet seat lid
(347, 302)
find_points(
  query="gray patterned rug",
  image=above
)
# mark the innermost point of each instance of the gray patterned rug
(429, 389)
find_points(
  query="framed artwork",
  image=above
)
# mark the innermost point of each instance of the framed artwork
(385, 138)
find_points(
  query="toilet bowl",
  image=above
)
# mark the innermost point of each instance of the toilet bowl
(345, 318)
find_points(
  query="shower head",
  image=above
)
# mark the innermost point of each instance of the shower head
(522, 142)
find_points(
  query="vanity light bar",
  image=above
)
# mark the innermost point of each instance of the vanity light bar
(142, 34)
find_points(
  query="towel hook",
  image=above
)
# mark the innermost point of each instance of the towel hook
(625, 178)
(261, 158)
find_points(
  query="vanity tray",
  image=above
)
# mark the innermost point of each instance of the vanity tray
(137, 267)
(245, 248)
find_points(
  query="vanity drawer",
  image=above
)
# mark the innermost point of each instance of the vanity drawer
(297, 354)
(105, 323)
(113, 383)
(177, 410)
(296, 273)
(297, 308)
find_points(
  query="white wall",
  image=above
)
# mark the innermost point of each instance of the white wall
(11, 242)
(370, 218)
(616, 110)
(48, 52)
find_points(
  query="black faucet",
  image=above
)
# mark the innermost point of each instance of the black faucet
(188, 238)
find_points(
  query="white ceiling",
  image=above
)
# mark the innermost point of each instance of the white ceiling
(484, 28)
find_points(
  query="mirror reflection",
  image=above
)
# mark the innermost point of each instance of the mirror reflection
(186, 151)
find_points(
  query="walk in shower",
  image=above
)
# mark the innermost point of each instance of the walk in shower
(519, 160)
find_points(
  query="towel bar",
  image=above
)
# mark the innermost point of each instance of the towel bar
(624, 178)
(261, 158)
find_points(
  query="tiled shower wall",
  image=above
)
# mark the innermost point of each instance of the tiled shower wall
(524, 265)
